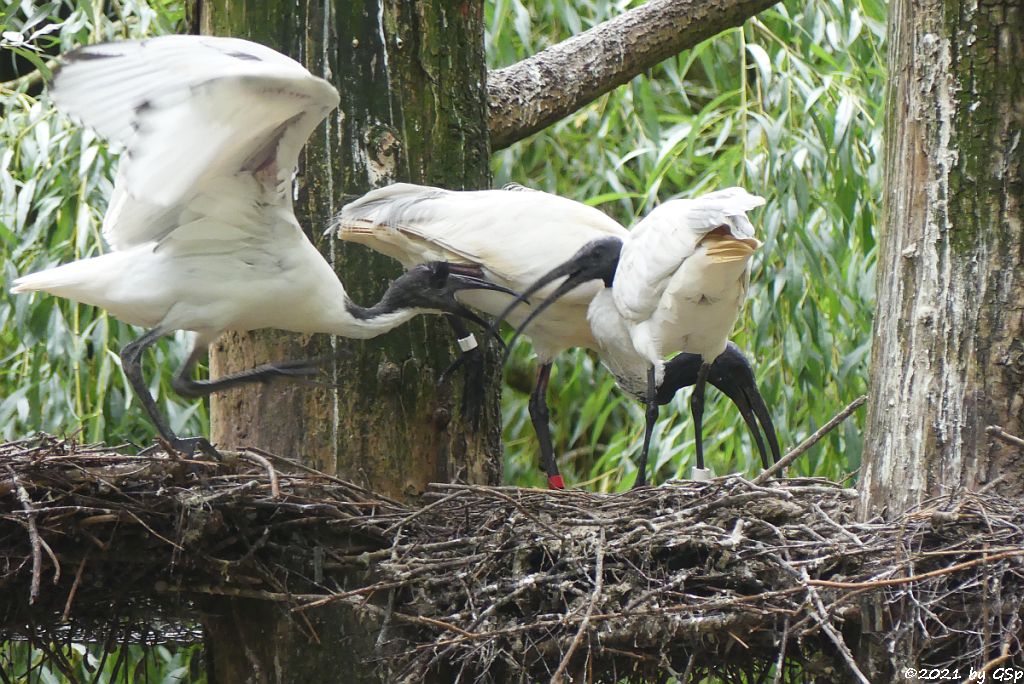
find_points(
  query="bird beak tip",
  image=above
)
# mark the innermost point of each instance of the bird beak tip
(463, 282)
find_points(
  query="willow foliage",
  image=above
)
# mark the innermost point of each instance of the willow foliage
(789, 106)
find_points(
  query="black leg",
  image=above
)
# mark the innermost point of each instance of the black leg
(131, 361)
(132, 365)
(651, 419)
(697, 410)
(472, 357)
(184, 385)
(539, 417)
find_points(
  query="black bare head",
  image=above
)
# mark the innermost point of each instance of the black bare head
(596, 260)
(732, 374)
(432, 286)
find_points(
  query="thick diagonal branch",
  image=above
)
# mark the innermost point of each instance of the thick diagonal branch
(536, 92)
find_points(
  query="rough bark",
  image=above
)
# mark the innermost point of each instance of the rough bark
(540, 90)
(948, 349)
(948, 356)
(413, 107)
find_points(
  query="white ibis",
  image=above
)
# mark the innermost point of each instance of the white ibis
(511, 237)
(676, 284)
(202, 232)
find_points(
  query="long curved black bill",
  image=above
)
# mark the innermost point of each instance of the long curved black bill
(731, 373)
(742, 403)
(595, 260)
(761, 411)
(457, 282)
(570, 284)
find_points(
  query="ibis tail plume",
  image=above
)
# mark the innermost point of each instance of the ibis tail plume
(200, 224)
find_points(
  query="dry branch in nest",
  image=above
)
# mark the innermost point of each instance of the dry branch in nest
(506, 584)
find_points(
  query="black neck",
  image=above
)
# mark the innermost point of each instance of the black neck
(680, 371)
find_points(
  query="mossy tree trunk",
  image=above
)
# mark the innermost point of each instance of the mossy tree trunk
(948, 349)
(413, 107)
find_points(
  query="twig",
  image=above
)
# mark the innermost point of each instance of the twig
(53, 559)
(385, 624)
(429, 507)
(836, 526)
(781, 659)
(238, 592)
(153, 532)
(1004, 436)
(444, 625)
(915, 578)
(495, 491)
(689, 669)
(585, 622)
(811, 441)
(249, 455)
(1004, 651)
(33, 535)
(821, 617)
(318, 601)
(74, 587)
(380, 498)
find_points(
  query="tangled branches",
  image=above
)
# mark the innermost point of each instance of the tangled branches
(500, 584)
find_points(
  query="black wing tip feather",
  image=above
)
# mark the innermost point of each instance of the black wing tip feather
(516, 187)
(243, 56)
(84, 53)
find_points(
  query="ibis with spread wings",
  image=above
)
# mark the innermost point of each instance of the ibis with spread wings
(200, 225)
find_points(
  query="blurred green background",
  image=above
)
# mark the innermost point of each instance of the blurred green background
(789, 106)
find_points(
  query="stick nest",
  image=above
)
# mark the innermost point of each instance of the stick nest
(506, 584)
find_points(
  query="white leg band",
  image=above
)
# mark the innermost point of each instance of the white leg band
(702, 474)
(467, 343)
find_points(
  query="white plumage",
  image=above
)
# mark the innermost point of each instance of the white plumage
(676, 284)
(200, 222)
(512, 236)
(188, 110)
(515, 237)
(683, 274)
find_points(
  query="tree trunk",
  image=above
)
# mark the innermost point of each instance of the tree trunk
(948, 356)
(413, 107)
(948, 350)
